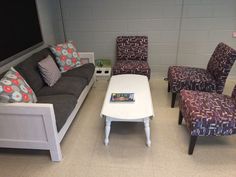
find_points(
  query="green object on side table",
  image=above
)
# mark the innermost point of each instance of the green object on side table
(103, 63)
(103, 68)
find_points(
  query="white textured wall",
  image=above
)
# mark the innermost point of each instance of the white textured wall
(50, 21)
(181, 32)
(57, 21)
(46, 20)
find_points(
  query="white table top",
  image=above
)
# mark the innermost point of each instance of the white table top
(129, 83)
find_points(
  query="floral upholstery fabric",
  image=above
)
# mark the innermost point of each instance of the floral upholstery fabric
(182, 77)
(220, 64)
(14, 89)
(211, 79)
(132, 48)
(66, 56)
(234, 93)
(132, 55)
(208, 114)
(131, 67)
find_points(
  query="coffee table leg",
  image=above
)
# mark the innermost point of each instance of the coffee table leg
(107, 131)
(147, 131)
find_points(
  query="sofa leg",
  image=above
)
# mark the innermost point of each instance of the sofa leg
(180, 118)
(55, 152)
(192, 143)
(173, 100)
(168, 88)
(56, 156)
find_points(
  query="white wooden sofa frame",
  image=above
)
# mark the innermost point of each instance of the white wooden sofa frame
(33, 125)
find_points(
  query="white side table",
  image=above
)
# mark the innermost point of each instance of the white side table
(103, 73)
(103, 69)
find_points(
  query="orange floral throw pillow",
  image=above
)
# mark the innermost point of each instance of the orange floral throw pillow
(66, 56)
(14, 89)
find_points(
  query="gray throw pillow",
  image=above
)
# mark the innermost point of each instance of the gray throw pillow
(49, 70)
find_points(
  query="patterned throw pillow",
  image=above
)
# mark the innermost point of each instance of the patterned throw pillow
(13, 88)
(66, 56)
(49, 70)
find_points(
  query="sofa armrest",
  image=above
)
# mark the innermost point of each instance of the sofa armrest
(29, 126)
(87, 55)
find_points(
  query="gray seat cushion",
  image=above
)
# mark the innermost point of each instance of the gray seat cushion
(63, 106)
(86, 71)
(65, 85)
(30, 71)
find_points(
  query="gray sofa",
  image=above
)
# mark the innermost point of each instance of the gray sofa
(44, 124)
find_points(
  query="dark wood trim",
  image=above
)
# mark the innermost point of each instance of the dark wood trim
(173, 99)
(62, 22)
(192, 143)
(180, 118)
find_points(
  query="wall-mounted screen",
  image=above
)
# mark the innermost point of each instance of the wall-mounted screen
(20, 29)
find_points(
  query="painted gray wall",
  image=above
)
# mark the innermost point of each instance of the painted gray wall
(55, 22)
(205, 23)
(183, 32)
(46, 19)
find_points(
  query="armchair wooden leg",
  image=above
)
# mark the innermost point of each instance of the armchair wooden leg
(192, 143)
(180, 118)
(173, 100)
(168, 89)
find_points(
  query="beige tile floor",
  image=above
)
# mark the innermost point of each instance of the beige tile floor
(85, 155)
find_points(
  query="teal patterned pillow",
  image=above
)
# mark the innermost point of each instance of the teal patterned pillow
(14, 89)
(66, 56)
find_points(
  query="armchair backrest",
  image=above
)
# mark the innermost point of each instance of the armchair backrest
(132, 48)
(220, 64)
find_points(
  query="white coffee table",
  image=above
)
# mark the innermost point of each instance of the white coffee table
(139, 111)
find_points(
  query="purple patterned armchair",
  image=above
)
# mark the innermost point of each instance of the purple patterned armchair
(207, 114)
(132, 55)
(211, 79)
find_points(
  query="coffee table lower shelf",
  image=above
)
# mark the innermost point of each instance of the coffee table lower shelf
(144, 120)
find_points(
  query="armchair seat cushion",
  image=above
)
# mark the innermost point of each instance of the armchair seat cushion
(208, 114)
(65, 85)
(189, 78)
(63, 106)
(131, 67)
(85, 71)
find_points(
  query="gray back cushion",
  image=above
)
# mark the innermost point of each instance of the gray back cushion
(30, 71)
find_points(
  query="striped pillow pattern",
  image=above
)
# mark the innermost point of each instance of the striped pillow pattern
(49, 70)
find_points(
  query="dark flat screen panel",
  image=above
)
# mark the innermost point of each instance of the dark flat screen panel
(20, 28)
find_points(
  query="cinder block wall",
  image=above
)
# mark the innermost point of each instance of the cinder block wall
(204, 24)
(183, 32)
